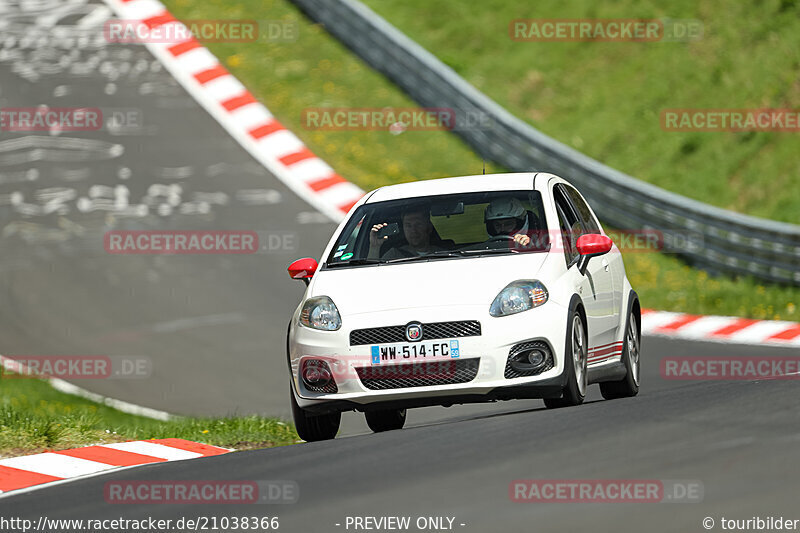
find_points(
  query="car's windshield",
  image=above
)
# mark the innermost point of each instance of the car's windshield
(445, 226)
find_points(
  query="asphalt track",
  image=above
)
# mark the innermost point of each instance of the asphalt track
(214, 326)
(739, 439)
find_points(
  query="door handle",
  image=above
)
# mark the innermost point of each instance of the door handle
(605, 264)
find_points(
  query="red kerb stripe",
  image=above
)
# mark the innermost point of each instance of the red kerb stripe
(182, 48)
(264, 130)
(348, 206)
(732, 328)
(238, 101)
(158, 20)
(679, 323)
(296, 157)
(324, 183)
(210, 74)
(14, 478)
(787, 334)
(189, 446)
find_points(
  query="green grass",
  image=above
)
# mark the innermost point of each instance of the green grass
(666, 283)
(580, 104)
(604, 99)
(35, 417)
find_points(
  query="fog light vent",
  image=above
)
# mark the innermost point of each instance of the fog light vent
(317, 376)
(528, 359)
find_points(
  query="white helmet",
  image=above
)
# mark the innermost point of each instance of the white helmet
(504, 208)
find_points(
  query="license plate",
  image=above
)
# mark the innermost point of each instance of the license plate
(415, 351)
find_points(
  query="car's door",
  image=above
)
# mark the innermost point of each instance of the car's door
(569, 224)
(611, 262)
(597, 284)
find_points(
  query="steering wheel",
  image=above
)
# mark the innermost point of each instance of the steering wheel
(501, 238)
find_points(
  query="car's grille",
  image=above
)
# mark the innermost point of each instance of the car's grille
(446, 372)
(434, 330)
(330, 388)
(511, 372)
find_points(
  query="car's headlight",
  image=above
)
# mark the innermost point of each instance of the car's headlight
(320, 313)
(517, 297)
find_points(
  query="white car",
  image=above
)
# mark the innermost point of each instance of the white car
(458, 290)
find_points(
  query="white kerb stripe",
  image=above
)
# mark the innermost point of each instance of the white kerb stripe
(279, 144)
(153, 450)
(703, 327)
(224, 88)
(196, 60)
(312, 169)
(142, 9)
(251, 116)
(653, 321)
(54, 464)
(341, 193)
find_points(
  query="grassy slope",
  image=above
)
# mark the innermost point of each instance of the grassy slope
(605, 98)
(35, 417)
(316, 71)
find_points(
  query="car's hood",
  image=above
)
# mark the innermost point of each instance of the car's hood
(438, 282)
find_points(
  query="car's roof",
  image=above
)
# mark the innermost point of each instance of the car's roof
(489, 182)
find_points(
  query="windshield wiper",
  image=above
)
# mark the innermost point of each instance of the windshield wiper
(455, 253)
(434, 255)
(491, 251)
(355, 262)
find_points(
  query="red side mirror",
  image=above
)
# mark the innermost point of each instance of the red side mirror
(303, 269)
(593, 244)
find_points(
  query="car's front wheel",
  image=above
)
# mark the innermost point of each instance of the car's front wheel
(311, 427)
(385, 419)
(575, 365)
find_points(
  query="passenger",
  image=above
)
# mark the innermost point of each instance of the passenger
(417, 230)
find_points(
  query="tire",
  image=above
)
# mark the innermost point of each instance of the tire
(311, 427)
(575, 365)
(631, 349)
(385, 419)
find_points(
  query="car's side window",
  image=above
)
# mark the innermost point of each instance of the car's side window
(569, 223)
(588, 221)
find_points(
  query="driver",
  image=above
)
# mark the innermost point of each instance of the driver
(417, 229)
(507, 216)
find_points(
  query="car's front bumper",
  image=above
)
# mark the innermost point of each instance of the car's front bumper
(491, 350)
